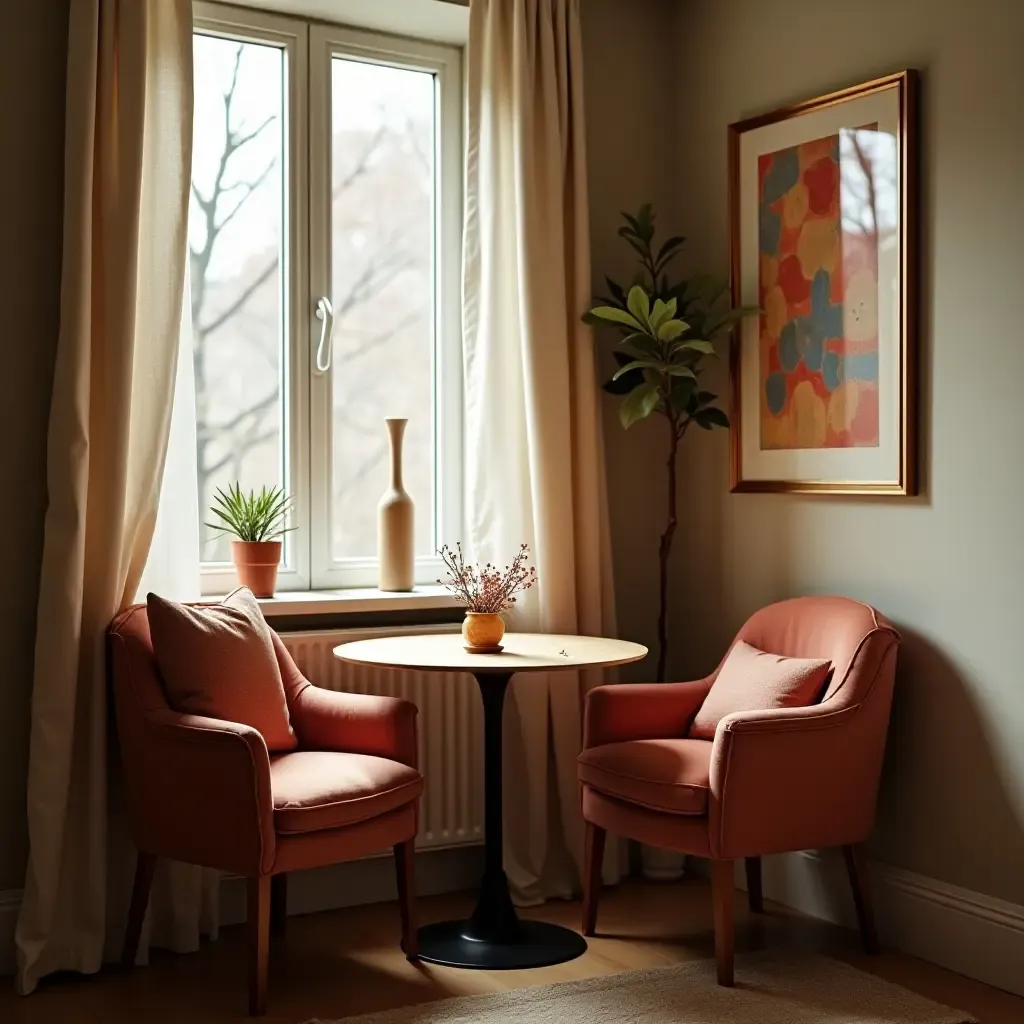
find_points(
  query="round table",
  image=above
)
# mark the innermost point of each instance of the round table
(494, 937)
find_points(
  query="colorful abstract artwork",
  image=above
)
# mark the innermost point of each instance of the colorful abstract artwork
(818, 293)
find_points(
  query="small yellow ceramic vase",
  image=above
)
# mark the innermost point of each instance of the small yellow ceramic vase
(482, 632)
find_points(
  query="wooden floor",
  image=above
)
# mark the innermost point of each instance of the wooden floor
(347, 962)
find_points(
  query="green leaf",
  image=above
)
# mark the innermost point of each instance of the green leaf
(252, 516)
(644, 344)
(645, 221)
(671, 329)
(639, 404)
(683, 389)
(671, 246)
(639, 247)
(706, 397)
(661, 312)
(640, 306)
(718, 322)
(703, 347)
(637, 364)
(616, 316)
(618, 294)
(626, 383)
(710, 417)
(705, 287)
(632, 222)
(679, 370)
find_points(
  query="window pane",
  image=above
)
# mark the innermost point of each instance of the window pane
(236, 222)
(382, 239)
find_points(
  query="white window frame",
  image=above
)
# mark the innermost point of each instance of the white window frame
(309, 48)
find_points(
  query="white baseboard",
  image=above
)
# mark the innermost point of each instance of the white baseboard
(975, 935)
(342, 885)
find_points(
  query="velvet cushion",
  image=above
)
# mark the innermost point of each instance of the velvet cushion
(219, 661)
(318, 789)
(663, 775)
(753, 680)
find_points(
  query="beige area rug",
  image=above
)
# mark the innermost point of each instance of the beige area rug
(770, 989)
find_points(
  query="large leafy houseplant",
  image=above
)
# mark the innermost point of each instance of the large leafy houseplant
(669, 333)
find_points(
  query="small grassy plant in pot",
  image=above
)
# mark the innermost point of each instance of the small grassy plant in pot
(256, 523)
(486, 591)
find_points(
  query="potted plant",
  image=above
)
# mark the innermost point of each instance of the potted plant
(669, 331)
(486, 591)
(256, 522)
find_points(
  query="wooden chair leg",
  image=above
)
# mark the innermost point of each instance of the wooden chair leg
(593, 860)
(723, 888)
(278, 904)
(755, 892)
(405, 870)
(144, 868)
(857, 869)
(259, 890)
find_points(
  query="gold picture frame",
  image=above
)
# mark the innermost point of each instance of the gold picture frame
(838, 173)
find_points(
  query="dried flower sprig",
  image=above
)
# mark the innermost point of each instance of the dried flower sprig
(487, 588)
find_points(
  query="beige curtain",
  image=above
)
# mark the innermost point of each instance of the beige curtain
(535, 463)
(127, 164)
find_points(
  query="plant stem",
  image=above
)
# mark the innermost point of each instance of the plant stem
(665, 547)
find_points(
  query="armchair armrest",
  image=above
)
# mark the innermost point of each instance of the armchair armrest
(355, 723)
(641, 711)
(201, 791)
(794, 779)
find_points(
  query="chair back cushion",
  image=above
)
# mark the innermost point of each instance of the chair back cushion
(753, 680)
(832, 628)
(219, 661)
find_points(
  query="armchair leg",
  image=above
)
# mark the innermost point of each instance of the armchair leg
(857, 869)
(593, 860)
(755, 892)
(259, 942)
(405, 870)
(278, 904)
(144, 868)
(723, 888)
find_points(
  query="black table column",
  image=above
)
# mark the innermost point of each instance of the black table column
(494, 937)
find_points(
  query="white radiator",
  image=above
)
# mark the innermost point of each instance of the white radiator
(449, 723)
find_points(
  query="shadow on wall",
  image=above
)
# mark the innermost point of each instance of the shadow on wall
(942, 766)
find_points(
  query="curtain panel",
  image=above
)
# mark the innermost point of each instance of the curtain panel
(535, 468)
(127, 167)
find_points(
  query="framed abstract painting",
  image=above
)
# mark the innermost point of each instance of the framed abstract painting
(822, 215)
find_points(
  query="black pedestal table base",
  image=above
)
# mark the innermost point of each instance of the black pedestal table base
(495, 938)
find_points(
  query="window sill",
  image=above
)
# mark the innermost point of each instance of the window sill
(289, 604)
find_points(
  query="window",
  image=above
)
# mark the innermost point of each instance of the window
(324, 230)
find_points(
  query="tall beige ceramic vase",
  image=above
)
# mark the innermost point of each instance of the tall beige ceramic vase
(395, 521)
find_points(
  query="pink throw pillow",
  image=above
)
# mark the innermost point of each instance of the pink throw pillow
(753, 680)
(218, 661)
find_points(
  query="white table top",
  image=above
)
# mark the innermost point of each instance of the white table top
(523, 652)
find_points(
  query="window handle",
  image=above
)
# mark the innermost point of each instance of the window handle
(324, 312)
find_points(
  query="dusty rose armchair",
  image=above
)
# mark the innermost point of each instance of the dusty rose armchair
(205, 791)
(770, 781)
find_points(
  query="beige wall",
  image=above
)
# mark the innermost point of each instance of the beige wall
(630, 67)
(949, 566)
(33, 44)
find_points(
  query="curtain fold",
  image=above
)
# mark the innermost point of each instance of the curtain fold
(535, 468)
(127, 168)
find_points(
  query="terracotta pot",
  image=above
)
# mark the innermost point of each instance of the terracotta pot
(483, 631)
(256, 564)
